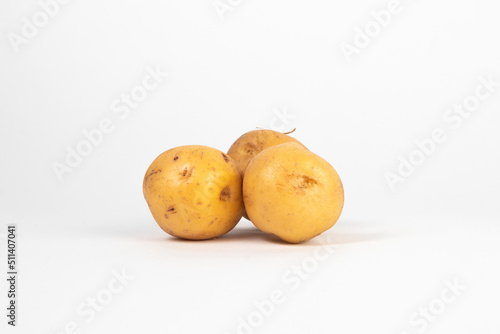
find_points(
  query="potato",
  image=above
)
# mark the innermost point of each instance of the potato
(292, 193)
(245, 148)
(194, 192)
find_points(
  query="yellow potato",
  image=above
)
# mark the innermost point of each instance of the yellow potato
(292, 193)
(245, 148)
(194, 192)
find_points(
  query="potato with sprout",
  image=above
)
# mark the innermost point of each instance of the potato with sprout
(246, 147)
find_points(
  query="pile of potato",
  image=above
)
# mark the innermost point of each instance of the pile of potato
(197, 192)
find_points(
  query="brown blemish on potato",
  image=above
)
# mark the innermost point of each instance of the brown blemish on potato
(303, 182)
(153, 172)
(175, 158)
(187, 172)
(307, 182)
(225, 194)
(251, 147)
(171, 209)
(226, 159)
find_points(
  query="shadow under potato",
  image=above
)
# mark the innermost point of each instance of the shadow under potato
(249, 233)
(335, 236)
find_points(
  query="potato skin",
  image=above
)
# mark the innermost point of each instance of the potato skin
(194, 192)
(246, 147)
(292, 193)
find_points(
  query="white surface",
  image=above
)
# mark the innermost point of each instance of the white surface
(377, 276)
(392, 252)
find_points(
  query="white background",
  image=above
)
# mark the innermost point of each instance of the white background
(392, 252)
